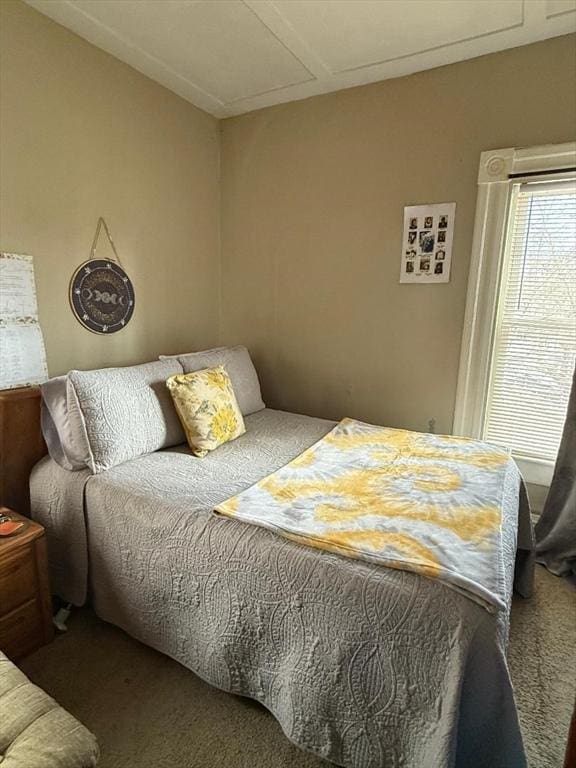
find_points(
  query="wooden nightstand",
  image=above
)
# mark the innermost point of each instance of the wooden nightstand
(25, 606)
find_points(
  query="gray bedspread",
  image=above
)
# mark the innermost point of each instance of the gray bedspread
(365, 666)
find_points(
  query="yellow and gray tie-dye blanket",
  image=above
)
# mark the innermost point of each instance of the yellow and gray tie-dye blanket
(419, 502)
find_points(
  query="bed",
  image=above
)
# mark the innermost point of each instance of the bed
(363, 665)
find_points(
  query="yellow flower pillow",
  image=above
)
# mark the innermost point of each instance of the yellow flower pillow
(207, 407)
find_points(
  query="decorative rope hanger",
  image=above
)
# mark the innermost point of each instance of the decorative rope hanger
(102, 223)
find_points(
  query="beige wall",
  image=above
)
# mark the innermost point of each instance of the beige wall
(313, 195)
(83, 135)
(312, 199)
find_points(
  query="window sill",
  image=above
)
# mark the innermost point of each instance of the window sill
(535, 471)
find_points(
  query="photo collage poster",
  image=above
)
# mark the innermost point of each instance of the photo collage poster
(427, 243)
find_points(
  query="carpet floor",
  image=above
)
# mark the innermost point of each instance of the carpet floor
(148, 711)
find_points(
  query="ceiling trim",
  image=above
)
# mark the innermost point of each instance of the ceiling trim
(68, 14)
(273, 20)
(432, 48)
(537, 24)
(560, 13)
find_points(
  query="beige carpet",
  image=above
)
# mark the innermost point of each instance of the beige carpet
(148, 711)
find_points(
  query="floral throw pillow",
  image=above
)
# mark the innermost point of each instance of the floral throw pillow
(207, 407)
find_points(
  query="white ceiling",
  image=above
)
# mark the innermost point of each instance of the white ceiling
(233, 56)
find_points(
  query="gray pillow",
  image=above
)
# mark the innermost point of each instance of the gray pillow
(125, 412)
(64, 435)
(239, 367)
(52, 439)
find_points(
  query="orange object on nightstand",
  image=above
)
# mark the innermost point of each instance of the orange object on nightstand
(8, 526)
(25, 605)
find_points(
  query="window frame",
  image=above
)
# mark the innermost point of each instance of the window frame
(499, 170)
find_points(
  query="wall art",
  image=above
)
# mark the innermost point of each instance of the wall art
(101, 293)
(427, 243)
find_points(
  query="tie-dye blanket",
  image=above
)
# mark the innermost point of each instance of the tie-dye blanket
(425, 503)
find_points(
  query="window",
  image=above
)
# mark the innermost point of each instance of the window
(534, 346)
(519, 343)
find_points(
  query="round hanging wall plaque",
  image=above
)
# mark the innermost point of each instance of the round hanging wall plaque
(102, 296)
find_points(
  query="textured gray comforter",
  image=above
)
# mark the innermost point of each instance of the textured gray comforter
(363, 665)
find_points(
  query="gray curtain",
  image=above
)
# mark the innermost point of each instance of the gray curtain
(556, 528)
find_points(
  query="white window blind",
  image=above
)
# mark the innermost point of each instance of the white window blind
(534, 347)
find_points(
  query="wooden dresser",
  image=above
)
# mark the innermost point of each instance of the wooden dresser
(25, 608)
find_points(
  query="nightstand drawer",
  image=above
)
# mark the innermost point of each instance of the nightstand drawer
(17, 578)
(25, 605)
(20, 629)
